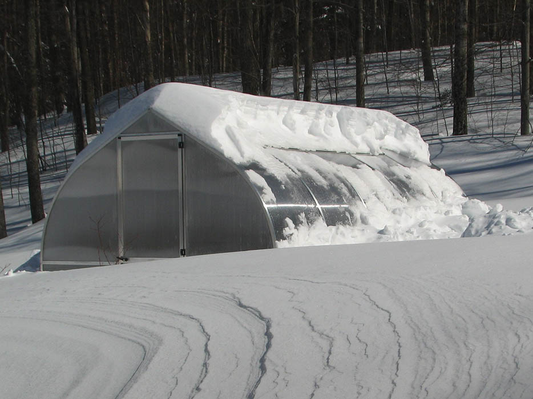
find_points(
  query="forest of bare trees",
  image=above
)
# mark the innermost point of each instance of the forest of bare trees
(58, 54)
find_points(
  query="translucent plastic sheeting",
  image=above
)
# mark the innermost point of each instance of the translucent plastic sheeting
(340, 188)
(329, 188)
(223, 213)
(151, 198)
(292, 199)
(82, 225)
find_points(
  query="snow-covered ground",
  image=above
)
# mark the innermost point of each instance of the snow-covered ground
(441, 318)
(434, 318)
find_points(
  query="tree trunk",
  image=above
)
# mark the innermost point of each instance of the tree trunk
(74, 84)
(148, 60)
(308, 60)
(4, 102)
(359, 55)
(185, 42)
(425, 34)
(172, 40)
(411, 12)
(57, 74)
(525, 92)
(266, 86)
(460, 104)
(117, 54)
(3, 225)
(39, 62)
(385, 39)
(86, 70)
(109, 78)
(372, 40)
(192, 41)
(296, 51)
(391, 23)
(472, 38)
(30, 111)
(250, 72)
(162, 40)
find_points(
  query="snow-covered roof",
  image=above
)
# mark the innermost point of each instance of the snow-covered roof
(239, 125)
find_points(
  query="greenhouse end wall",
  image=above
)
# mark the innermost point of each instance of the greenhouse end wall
(151, 195)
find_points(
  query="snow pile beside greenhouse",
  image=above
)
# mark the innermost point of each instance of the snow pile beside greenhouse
(472, 218)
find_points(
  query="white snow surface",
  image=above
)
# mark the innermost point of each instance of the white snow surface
(419, 319)
(433, 319)
(240, 125)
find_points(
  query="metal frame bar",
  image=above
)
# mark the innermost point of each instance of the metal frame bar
(76, 262)
(120, 200)
(182, 211)
(148, 136)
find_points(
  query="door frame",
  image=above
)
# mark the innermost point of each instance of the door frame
(121, 258)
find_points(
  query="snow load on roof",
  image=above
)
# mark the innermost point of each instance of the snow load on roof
(240, 125)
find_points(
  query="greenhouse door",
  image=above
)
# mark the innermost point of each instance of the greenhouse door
(150, 181)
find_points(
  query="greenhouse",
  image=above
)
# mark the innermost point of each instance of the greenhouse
(187, 170)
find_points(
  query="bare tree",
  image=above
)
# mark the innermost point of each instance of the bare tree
(359, 55)
(73, 78)
(250, 71)
(308, 59)
(425, 34)
(4, 102)
(374, 18)
(148, 61)
(30, 113)
(86, 75)
(270, 23)
(3, 225)
(296, 50)
(185, 42)
(460, 104)
(472, 38)
(525, 129)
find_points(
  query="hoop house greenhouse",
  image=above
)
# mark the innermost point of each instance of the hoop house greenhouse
(188, 170)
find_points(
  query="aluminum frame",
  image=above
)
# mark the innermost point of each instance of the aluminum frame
(139, 137)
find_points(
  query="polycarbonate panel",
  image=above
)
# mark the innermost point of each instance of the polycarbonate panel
(150, 123)
(223, 213)
(332, 192)
(292, 200)
(150, 192)
(82, 225)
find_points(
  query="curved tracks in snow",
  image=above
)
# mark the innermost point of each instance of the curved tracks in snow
(125, 332)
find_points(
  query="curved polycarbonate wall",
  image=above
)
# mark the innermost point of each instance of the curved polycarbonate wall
(334, 187)
(222, 211)
(81, 228)
(154, 191)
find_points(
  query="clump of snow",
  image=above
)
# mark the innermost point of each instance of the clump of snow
(485, 220)
(471, 218)
(266, 193)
